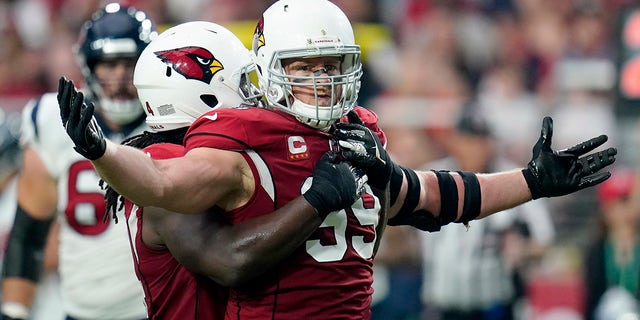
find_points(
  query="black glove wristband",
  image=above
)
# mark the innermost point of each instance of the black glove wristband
(317, 202)
(532, 183)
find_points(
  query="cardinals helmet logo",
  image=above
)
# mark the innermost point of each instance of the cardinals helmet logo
(192, 62)
(258, 36)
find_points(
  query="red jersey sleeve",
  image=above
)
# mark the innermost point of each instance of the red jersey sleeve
(222, 129)
(164, 150)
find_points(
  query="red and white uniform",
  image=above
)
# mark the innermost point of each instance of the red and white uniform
(330, 275)
(171, 291)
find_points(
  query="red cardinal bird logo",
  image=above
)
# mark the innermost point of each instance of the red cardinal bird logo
(192, 62)
(258, 36)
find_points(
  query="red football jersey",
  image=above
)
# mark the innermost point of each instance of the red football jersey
(330, 275)
(171, 291)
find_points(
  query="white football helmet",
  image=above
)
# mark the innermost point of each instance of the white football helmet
(305, 29)
(190, 69)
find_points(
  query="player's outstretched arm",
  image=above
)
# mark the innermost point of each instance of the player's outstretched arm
(429, 200)
(187, 185)
(233, 254)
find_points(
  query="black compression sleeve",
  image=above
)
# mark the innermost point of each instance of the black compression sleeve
(413, 191)
(448, 197)
(420, 219)
(472, 196)
(24, 256)
(395, 183)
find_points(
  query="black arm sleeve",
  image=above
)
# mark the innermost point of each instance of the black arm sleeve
(421, 219)
(425, 220)
(472, 196)
(24, 257)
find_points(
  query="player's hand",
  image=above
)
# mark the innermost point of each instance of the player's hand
(361, 146)
(335, 186)
(79, 122)
(553, 173)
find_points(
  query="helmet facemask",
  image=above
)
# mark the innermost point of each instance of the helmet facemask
(114, 93)
(286, 32)
(334, 92)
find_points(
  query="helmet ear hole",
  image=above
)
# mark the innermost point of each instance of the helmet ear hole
(275, 93)
(210, 100)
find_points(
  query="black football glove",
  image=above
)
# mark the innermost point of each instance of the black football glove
(361, 146)
(335, 185)
(79, 122)
(553, 173)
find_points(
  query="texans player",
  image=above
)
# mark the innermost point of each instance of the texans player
(97, 277)
(309, 72)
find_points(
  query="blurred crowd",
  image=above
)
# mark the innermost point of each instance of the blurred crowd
(430, 64)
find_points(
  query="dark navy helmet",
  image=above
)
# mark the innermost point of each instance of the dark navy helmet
(114, 31)
(10, 151)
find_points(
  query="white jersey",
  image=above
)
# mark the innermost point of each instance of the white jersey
(47, 304)
(96, 267)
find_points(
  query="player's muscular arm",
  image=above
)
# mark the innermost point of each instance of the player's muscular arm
(204, 177)
(232, 254)
(37, 199)
(429, 200)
